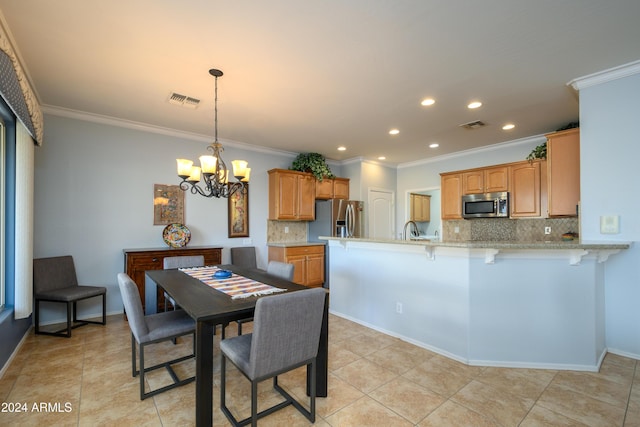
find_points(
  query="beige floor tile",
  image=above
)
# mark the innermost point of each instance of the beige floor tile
(542, 417)
(367, 412)
(503, 407)
(451, 414)
(394, 359)
(439, 376)
(580, 407)
(520, 382)
(600, 388)
(407, 398)
(340, 357)
(365, 375)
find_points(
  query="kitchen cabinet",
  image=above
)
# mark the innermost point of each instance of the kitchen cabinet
(137, 261)
(486, 180)
(563, 169)
(420, 205)
(308, 262)
(291, 195)
(332, 188)
(451, 194)
(527, 189)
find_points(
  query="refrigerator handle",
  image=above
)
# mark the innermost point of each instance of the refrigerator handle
(350, 217)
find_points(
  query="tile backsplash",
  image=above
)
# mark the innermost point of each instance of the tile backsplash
(286, 231)
(499, 229)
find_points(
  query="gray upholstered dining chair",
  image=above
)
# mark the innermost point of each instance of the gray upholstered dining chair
(286, 334)
(180, 262)
(151, 329)
(274, 268)
(244, 256)
(55, 280)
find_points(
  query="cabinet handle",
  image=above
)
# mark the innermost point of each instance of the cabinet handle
(154, 259)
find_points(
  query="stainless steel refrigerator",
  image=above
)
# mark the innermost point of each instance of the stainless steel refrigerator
(336, 218)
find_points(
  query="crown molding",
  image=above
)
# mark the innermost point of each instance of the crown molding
(145, 127)
(605, 76)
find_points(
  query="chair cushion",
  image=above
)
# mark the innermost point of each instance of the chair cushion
(167, 324)
(73, 293)
(238, 349)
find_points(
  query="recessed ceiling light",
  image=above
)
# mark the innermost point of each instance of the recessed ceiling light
(342, 148)
(474, 104)
(394, 132)
(382, 158)
(428, 101)
(508, 126)
(434, 145)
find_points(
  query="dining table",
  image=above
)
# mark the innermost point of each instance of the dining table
(210, 307)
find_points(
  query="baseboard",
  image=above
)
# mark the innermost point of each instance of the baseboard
(14, 353)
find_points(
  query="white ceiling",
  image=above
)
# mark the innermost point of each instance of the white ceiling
(309, 76)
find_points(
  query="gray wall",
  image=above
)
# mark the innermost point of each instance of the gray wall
(94, 197)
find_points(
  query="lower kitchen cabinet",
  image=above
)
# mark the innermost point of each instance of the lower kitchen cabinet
(308, 262)
(137, 261)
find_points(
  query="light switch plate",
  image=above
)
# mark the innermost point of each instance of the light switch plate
(610, 224)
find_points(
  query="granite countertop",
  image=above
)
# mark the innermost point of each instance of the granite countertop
(294, 244)
(475, 244)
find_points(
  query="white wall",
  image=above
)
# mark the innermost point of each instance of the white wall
(94, 198)
(610, 148)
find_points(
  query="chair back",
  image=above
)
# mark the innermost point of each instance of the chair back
(183, 261)
(281, 270)
(244, 256)
(132, 306)
(54, 273)
(286, 331)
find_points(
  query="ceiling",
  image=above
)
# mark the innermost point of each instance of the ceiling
(310, 76)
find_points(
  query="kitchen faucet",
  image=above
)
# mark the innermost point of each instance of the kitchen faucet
(414, 231)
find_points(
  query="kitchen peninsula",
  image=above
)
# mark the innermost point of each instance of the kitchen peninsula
(497, 303)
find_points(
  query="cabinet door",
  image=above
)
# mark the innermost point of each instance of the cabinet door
(299, 268)
(324, 189)
(525, 190)
(563, 172)
(473, 182)
(283, 195)
(306, 197)
(425, 208)
(451, 188)
(315, 270)
(341, 188)
(496, 179)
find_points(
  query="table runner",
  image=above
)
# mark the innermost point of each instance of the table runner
(235, 286)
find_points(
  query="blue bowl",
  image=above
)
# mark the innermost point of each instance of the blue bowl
(222, 274)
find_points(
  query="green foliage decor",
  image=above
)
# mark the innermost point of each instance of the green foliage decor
(314, 163)
(540, 152)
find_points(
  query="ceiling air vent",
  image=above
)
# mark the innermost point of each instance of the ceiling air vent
(473, 125)
(183, 100)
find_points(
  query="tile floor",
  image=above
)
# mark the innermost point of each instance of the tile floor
(374, 380)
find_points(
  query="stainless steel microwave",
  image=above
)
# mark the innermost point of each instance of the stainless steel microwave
(486, 205)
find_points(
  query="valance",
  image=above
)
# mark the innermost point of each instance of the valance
(16, 91)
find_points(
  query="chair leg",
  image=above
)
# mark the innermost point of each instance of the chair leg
(133, 356)
(69, 323)
(141, 347)
(254, 403)
(37, 316)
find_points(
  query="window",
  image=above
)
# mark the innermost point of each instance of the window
(2, 212)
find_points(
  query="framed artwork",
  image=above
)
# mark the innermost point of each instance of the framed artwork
(168, 204)
(239, 213)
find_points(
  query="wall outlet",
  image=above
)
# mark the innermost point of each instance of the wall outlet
(547, 230)
(610, 224)
(456, 229)
(399, 307)
(286, 230)
(247, 241)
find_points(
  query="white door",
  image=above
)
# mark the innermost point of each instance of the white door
(381, 215)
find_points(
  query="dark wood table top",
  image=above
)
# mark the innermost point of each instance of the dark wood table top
(205, 304)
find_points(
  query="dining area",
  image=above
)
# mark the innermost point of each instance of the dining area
(212, 296)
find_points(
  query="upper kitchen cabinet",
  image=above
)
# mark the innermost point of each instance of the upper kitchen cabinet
(451, 193)
(332, 188)
(486, 180)
(291, 195)
(528, 182)
(563, 168)
(420, 207)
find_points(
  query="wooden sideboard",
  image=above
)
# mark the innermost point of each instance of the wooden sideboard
(137, 261)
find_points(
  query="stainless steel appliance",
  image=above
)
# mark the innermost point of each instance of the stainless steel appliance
(335, 218)
(486, 205)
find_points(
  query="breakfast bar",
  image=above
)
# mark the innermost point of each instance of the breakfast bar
(510, 304)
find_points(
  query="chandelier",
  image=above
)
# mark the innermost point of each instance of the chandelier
(214, 172)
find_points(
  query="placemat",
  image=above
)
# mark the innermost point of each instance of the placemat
(235, 286)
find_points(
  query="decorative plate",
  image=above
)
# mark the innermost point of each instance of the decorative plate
(176, 235)
(222, 274)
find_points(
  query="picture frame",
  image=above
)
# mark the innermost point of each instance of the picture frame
(238, 215)
(168, 204)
